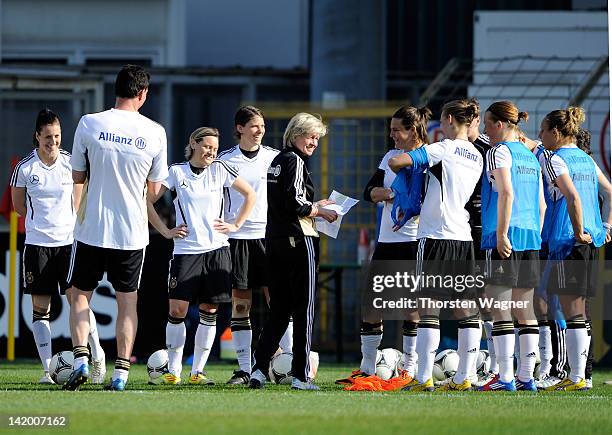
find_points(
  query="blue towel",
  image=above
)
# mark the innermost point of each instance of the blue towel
(408, 189)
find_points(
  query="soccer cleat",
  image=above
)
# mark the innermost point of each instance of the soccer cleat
(200, 379)
(589, 383)
(46, 379)
(529, 385)
(356, 374)
(77, 378)
(98, 370)
(416, 386)
(569, 385)
(484, 379)
(497, 384)
(473, 379)
(116, 385)
(296, 384)
(452, 386)
(258, 380)
(547, 382)
(240, 377)
(170, 379)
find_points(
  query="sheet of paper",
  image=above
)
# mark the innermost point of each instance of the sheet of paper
(342, 206)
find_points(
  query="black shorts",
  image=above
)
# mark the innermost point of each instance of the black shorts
(451, 261)
(203, 278)
(88, 264)
(395, 251)
(520, 270)
(45, 269)
(575, 275)
(248, 263)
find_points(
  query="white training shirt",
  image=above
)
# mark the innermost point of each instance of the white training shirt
(49, 202)
(255, 172)
(408, 232)
(123, 149)
(198, 202)
(454, 169)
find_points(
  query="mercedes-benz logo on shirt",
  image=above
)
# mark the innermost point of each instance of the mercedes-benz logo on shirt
(183, 184)
(34, 179)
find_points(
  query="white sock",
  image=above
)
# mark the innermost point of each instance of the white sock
(410, 354)
(528, 343)
(369, 349)
(504, 349)
(122, 369)
(428, 340)
(120, 374)
(175, 341)
(545, 348)
(241, 338)
(286, 341)
(93, 339)
(577, 341)
(488, 327)
(42, 337)
(468, 345)
(204, 339)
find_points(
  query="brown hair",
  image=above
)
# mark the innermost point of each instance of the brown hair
(197, 136)
(506, 111)
(583, 140)
(244, 115)
(464, 111)
(566, 121)
(417, 118)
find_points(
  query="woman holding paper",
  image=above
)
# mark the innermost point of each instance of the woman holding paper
(292, 250)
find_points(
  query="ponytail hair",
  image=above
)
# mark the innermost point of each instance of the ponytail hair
(506, 111)
(566, 121)
(463, 111)
(417, 118)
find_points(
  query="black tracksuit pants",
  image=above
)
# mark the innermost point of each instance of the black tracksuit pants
(292, 278)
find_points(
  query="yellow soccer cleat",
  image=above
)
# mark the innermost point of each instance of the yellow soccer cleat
(569, 385)
(200, 379)
(452, 386)
(170, 379)
(416, 386)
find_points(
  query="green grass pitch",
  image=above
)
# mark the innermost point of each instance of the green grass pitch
(237, 410)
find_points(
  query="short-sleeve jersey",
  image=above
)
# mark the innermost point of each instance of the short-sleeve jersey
(198, 202)
(49, 201)
(121, 150)
(454, 169)
(255, 172)
(406, 233)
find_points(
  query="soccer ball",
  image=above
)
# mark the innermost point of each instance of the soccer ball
(60, 367)
(387, 362)
(157, 366)
(483, 363)
(280, 368)
(445, 364)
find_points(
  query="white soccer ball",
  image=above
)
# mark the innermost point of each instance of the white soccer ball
(445, 364)
(157, 366)
(60, 366)
(483, 363)
(387, 361)
(280, 368)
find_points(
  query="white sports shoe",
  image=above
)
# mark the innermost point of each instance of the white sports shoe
(296, 384)
(483, 380)
(547, 381)
(589, 383)
(46, 379)
(472, 378)
(98, 370)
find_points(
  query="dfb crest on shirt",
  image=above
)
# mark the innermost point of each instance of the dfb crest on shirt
(140, 143)
(173, 282)
(34, 179)
(276, 170)
(29, 277)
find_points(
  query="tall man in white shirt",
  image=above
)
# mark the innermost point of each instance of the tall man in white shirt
(119, 154)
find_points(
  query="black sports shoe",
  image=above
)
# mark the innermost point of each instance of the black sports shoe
(258, 380)
(240, 377)
(77, 377)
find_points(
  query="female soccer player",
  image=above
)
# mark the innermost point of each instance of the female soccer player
(44, 194)
(292, 250)
(409, 131)
(251, 160)
(512, 214)
(201, 263)
(444, 234)
(576, 231)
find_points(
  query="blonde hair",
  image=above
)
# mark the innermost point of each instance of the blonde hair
(197, 136)
(303, 124)
(566, 121)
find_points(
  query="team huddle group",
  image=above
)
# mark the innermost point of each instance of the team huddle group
(245, 220)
